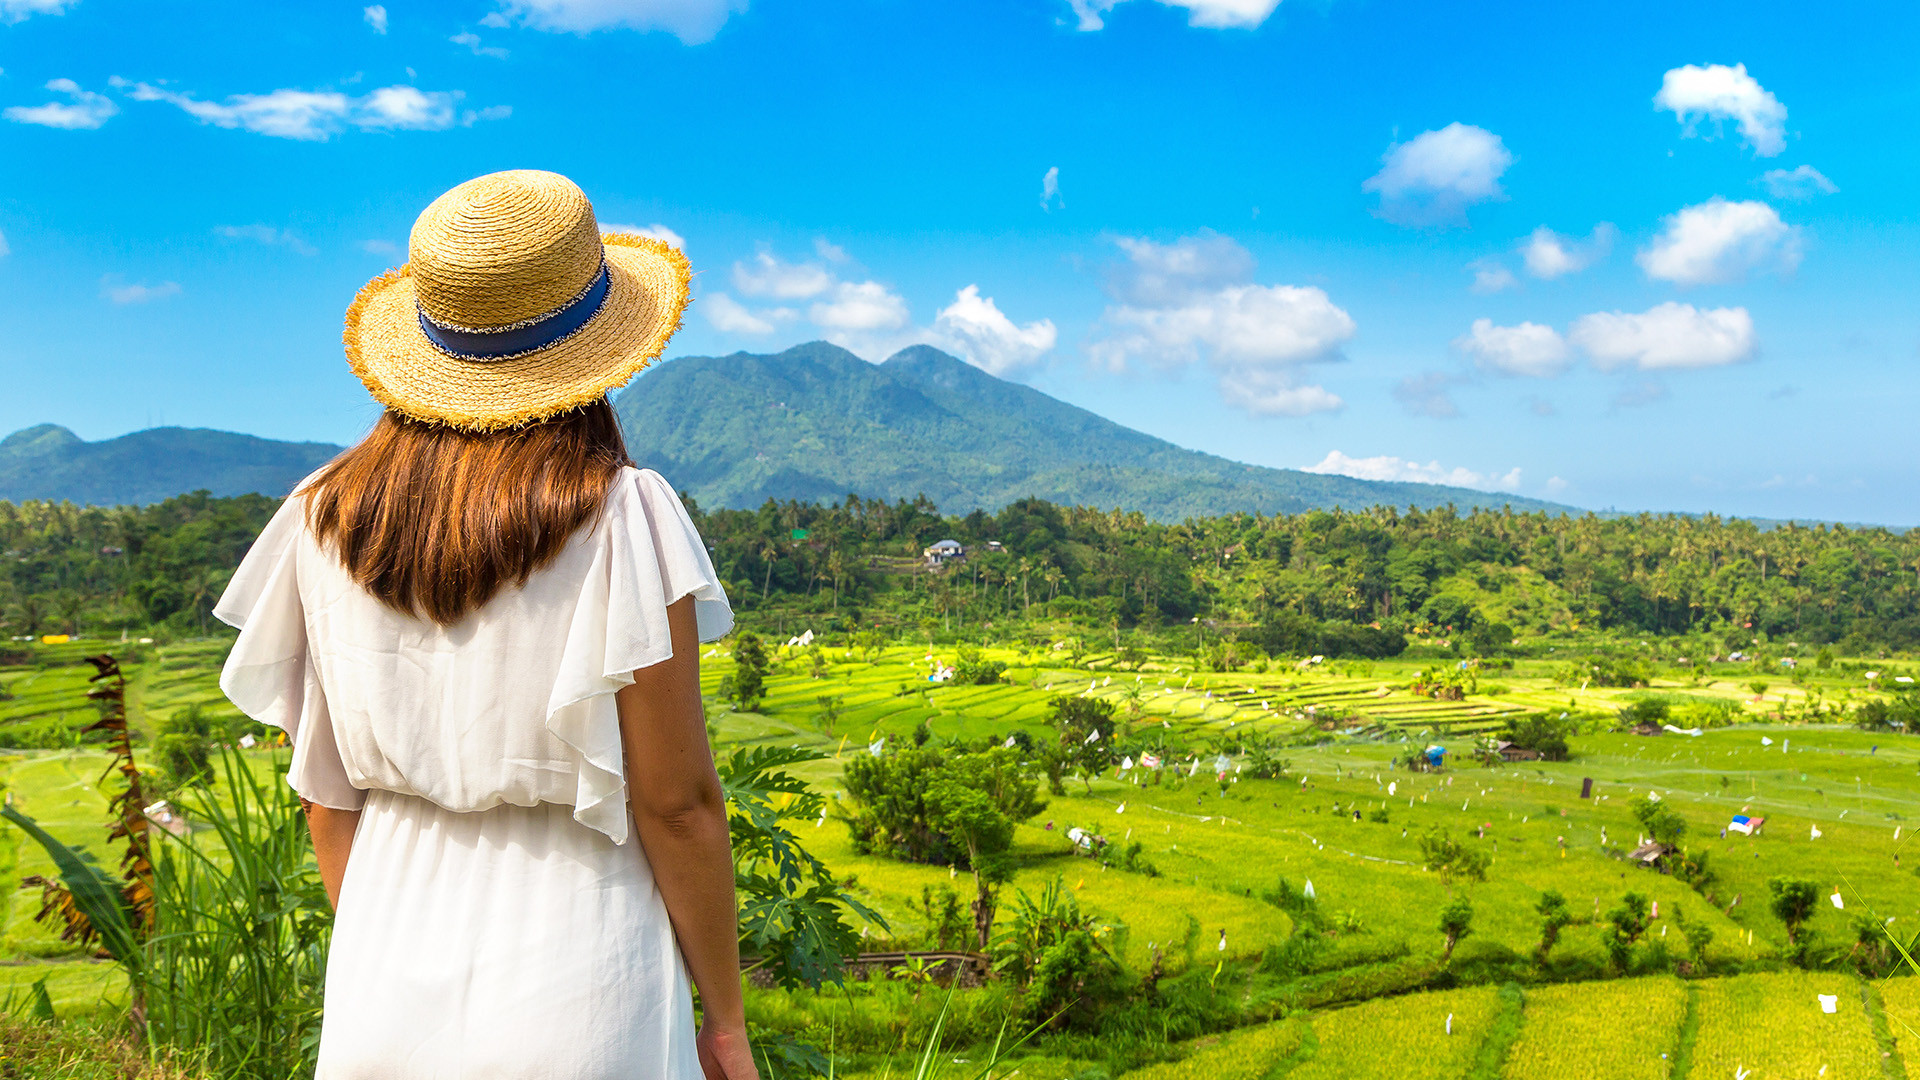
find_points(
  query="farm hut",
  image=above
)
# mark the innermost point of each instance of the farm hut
(1510, 752)
(942, 552)
(1749, 826)
(1651, 853)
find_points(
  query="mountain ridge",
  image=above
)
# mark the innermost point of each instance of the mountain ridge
(814, 422)
(47, 461)
(817, 422)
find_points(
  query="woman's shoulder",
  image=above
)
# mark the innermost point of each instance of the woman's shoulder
(645, 488)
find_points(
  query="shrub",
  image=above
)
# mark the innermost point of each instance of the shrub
(972, 669)
(895, 814)
(1698, 936)
(183, 749)
(1086, 745)
(1448, 857)
(1456, 922)
(1645, 712)
(947, 925)
(1543, 733)
(748, 683)
(1554, 917)
(1898, 713)
(1792, 901)
(1055, 949)
(1662, 822)
(1625, 924)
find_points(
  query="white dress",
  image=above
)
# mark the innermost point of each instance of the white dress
(498, 918)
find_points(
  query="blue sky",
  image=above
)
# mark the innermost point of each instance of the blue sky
(1624, 255)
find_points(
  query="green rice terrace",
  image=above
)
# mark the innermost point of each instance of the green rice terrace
(1265, 871)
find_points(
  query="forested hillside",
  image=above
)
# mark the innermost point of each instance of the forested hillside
(1321, 581)
(50, 462)
(816, 422)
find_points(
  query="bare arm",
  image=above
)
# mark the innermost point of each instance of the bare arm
(680, 813)
(332, 832)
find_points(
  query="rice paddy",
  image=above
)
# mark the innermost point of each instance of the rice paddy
(1773, 1026)
(1625, 1030)
(1838, 805)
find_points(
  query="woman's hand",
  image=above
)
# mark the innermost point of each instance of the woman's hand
(725, 1055)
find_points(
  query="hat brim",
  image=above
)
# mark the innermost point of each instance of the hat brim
(646, 297)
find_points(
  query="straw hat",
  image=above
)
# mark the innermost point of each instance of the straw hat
(513, 307)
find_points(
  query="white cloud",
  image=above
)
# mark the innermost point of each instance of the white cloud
(1088, 13)
(1178, 304)
(1158, 275)
(1718, 92)
(974, 327)
(730, 316)
(870, 319)
(1491, 277)
(1718, 241)
(492, 112)
(1220, 14)
(121, 293)
(768, 276)
(85, 112)
(265, 234)
(1400, 469)
(1549, 255)
(1433, 178)
(385, 248)
(656, 230)
(471, 40)
(1797, 185)
(692, 21)
(407, 108)
(13, 11)
(1528, 349)
(376, 17)
(1669, 336)
(1050, 190)
(5, 248)
(316, 116)
(1211, 14)
(859, 307)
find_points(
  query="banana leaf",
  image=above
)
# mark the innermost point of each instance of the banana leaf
(95, 892)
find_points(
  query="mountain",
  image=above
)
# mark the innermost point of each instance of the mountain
(817, 422)
(50, 462)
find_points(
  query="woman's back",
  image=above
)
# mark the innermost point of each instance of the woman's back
(511, 704)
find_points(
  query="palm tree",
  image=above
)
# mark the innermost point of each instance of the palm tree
(836, 567)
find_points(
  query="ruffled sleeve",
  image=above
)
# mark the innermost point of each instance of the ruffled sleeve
(268, 675)
(647, 555)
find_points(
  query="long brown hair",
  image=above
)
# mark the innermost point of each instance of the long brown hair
(434, 521)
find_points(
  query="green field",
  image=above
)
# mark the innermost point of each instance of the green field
(1216, 847)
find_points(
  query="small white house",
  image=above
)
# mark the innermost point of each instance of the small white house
(943, 552)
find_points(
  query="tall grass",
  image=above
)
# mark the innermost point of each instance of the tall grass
(236, 964)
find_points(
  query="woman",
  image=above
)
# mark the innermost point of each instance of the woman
(480, 628)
